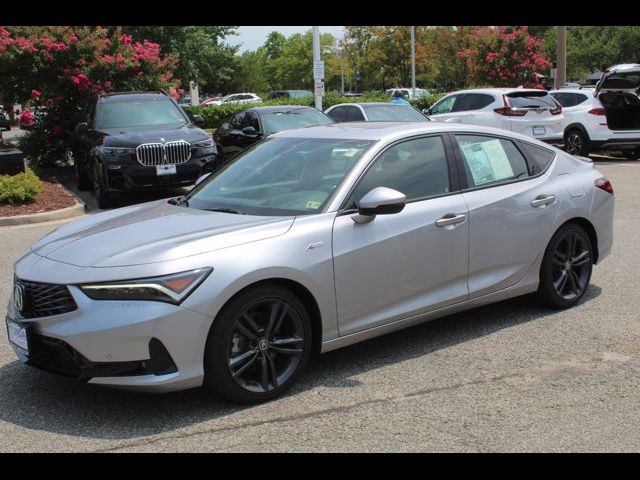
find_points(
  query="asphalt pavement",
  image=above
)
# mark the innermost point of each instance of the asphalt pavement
(507, 377)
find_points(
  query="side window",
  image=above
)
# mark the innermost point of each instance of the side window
(563, 99)
(354, 115)
(473, 101)
(237, 122)
(580, 97)
(338, 114)
(539, 158)
(250, 120)
(445, 105)
(418, 168)
(489, 160)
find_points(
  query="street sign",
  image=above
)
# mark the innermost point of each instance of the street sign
(319, 84)
(318, 70)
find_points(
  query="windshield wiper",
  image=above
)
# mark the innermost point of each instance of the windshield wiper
(179, 201)
(225, 210)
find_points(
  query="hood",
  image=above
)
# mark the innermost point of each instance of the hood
(132, 137)
(153, 232)
(621, 78)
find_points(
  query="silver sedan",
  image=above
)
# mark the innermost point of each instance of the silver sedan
(309, 241)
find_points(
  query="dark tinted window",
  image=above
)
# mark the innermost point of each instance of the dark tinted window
(472, 101)
(339, 114)
(354, 115)
(393, 113)
(531, 100)
(567, 99)
(251, 120)
(490, 160)
(539, 158)
(418, 168)
(237, 121)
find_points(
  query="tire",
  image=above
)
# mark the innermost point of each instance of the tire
(103, 198)
(249, 348)
(83, 179)
(566, 267)
(632, 155)
(576, 142)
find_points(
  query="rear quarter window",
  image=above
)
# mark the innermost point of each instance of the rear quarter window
(538, 158)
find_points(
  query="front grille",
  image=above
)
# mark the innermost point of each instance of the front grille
(45, 299)
(150, 154)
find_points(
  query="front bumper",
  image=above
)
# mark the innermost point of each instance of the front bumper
(140, 345)
(135, 176)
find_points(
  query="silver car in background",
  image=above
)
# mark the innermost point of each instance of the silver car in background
(311, 240)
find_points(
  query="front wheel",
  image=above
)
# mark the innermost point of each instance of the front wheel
(258, 345)
(576, 142)
(566, 267)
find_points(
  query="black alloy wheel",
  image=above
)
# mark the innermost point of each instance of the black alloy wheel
(576, 143)
(566, 268)
(258, 346)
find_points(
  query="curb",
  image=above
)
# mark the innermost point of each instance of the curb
(61, 214)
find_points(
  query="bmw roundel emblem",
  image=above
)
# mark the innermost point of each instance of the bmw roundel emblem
(18, 296)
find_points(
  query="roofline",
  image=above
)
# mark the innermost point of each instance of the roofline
(135, 92)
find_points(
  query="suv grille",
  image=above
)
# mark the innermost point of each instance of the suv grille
(150, 154)
(45, 299)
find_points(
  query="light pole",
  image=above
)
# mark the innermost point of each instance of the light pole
(413, 62)
(342, 71)
(316, 60)
(561, 75)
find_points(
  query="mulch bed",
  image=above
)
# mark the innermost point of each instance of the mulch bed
(52, 197)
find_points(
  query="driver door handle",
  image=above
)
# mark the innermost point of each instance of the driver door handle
(541, 201)
(450, 219)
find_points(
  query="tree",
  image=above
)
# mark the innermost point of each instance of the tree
(505, 57)
(56, 69)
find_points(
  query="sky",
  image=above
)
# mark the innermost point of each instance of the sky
(250, 38)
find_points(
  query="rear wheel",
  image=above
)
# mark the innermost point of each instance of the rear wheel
(576, 142)
(566, 267)
(104, 199)
(632, 154)
(258, 345)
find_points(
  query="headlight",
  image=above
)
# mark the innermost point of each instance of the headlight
(172, 288)
(203, 143)
(116, 150)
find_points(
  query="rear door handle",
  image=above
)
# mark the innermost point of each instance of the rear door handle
(542, 201)
(450, 219)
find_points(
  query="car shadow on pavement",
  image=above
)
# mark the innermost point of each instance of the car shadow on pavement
(38, 400)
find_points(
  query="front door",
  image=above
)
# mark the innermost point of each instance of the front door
(407, 263)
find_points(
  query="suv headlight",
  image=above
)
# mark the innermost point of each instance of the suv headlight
(116, 150)
(172, 288)
(203, 143)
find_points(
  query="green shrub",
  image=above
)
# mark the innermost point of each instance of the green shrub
(22, 187)
(427, 100)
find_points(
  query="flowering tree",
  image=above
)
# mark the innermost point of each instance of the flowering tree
(505, 57)
(55, 70)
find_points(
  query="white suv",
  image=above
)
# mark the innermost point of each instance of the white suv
(607, 118)
(235, 98)
(528, 111)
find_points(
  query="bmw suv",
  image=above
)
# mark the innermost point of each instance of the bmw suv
(139, 140)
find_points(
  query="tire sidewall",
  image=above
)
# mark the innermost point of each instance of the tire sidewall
(584, 150)
(217, 376)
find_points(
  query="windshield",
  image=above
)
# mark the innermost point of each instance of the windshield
(140, 113)
(280, 176)
(279, 121)
(393, 113)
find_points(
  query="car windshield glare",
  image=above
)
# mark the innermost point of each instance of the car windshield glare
(281, 176)
(140, 113)
(279, 121)
(393, 113)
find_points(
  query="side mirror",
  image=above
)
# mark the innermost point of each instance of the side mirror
(427, 111)
(379, 201)
(198, 120)
(202, 179)
(249, 131)
(82, 127)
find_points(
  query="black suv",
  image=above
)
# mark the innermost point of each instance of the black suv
(139, 140)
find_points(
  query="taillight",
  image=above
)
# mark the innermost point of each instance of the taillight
(556, 111)
(603, 183)
(508, 112)
(597, 111)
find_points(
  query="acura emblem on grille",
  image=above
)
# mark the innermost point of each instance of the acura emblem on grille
(18, 296)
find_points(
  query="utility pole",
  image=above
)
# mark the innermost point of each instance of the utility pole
(561, 76)
(195, 94)
(342, 70)
(318, 68)
(413, 62)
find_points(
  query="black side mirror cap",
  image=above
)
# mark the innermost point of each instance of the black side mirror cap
(249, 131)
(82, 127)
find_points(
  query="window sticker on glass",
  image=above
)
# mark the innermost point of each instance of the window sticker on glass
(313, 204)
(498, 159)
(487, 161)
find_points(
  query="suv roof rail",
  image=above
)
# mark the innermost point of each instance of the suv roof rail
(133, 92)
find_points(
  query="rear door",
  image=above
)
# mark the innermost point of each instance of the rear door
(511, 206)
